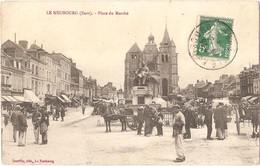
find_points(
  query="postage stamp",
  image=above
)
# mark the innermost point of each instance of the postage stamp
(212, 44)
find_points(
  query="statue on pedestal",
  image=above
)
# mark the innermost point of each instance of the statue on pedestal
(142, 76)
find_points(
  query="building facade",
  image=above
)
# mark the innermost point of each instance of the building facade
(63, 73)
(162, 64)
(247, 77)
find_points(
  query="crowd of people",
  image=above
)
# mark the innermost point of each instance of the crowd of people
(183, 117)
(39, 119)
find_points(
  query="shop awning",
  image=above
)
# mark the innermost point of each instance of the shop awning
(21, 99)
(2, 99)
(61, 99)
(9, 98)
(66, 98)
(253, 99)
(246, 98)
(30, 96)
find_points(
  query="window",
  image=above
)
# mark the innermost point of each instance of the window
(7, 79)
(32, 69)
(134, 56)
(2, 79)
(166, 58)
(162, 58)
(36, 70)
(3, 61)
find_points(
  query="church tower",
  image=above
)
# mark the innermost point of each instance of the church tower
(168, 65)
(162, 64)
(132, 63)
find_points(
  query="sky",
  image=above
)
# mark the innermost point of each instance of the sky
(99, 43)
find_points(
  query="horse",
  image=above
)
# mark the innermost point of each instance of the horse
(255, 120)
(112, 113)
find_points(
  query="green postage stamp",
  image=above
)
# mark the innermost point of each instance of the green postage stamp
(212, 43)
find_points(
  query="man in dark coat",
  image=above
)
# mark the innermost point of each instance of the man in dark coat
(22, 125)
(44, 125)
(140, 120)
(83, 108)
(149, 119)
(188, 119)
(14, 120)
(208, 120)
(62, 112)
(159, 125)
(36, 120)
(220, 121)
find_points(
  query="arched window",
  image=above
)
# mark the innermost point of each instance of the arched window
(166, 58)
(165, 87)
(162, 58)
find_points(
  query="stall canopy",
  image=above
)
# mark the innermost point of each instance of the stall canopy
(61, 99)
(30, 96)
(75, 99)
(159, 100)
(66, 98)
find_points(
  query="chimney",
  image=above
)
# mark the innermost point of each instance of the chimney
(197, 81)
(23, 43)
(244, 68)
(41, 46)
(206, 80)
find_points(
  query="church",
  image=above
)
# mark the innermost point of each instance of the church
(162, 64)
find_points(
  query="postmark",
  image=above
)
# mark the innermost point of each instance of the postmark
(212, 43)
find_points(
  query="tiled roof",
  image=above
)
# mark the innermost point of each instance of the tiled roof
(200, 84)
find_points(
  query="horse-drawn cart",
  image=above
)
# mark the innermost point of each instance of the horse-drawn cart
(246, 112)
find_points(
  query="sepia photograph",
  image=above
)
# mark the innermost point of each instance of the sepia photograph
(153, 82)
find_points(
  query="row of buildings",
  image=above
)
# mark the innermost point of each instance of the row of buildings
(32, 68)
(244, 85)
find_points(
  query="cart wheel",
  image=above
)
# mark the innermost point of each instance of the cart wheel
(237, 123)
(131, 123)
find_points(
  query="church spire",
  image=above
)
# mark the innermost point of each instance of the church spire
(166, 38)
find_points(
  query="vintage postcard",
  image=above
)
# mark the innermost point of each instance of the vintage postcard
(130, 83)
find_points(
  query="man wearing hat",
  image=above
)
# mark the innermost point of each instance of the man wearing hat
(208, 120)
(36, 119)
(178, 123)
(21, 124)
(14, 120)
(140, 120)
